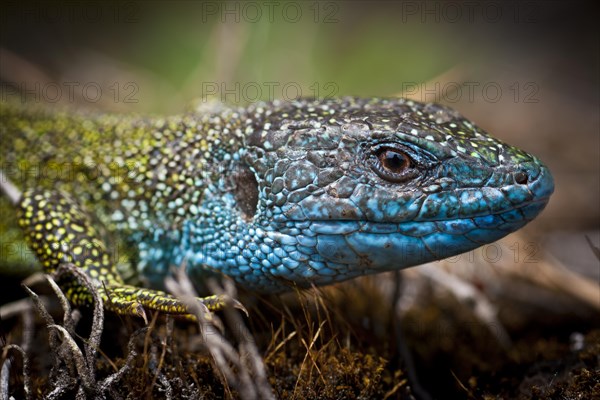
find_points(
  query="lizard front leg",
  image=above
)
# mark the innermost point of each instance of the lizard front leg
(60, 232)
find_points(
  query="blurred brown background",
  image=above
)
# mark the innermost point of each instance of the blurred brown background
(527, 72)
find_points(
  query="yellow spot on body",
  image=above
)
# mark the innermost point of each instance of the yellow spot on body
(77, 228)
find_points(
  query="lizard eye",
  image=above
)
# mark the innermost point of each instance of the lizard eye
(392, 164)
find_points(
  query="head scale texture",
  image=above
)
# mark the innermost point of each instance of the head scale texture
(326, 190)
(284, 193)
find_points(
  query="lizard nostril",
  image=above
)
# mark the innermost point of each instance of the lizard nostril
(521, 178)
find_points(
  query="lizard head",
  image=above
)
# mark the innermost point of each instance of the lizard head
(352, 186)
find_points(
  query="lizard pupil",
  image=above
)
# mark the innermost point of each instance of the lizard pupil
(394, 160)
(393, 164)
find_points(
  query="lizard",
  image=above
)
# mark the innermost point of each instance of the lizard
(275, 195)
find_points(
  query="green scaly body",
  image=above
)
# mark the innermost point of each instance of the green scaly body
(274, 195)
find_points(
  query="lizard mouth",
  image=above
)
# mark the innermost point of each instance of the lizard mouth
(514, 202)
(507, 220)
(341, 249)
(524, 212)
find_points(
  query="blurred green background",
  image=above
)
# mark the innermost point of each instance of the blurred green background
(525, 71)
(170, 49)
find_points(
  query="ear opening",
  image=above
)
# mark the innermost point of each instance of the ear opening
(245, 191)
